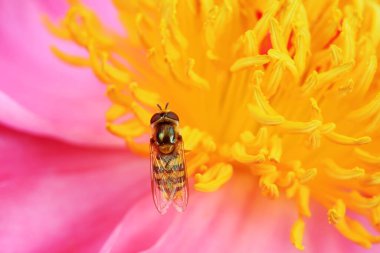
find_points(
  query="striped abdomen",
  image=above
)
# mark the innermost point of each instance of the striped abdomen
(169, 173)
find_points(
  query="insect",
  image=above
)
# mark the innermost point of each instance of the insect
(167, 162)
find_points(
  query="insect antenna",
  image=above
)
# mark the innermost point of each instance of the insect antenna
(166, 106)
(159, 107)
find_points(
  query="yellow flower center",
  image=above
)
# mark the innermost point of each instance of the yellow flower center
(284, 90)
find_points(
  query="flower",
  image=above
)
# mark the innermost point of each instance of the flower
(263, 75)
(282, 89)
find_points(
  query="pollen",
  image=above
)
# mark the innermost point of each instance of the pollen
(284, 92)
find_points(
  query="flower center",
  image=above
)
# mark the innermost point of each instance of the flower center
(282, 89)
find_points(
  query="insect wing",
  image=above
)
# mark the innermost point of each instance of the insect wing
(169, 179)
(159, 174)
(182, 193)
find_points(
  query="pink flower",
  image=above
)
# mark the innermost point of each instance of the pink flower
(67, 185)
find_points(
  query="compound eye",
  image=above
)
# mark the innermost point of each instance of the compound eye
(155, 117)
(172, 115)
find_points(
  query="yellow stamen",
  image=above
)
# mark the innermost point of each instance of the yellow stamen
(268, 187)
(333, 74)
(241, 155)
(307, 175)
(336, 54)
(337, 213)
(251, 61)
(129, 129)
(115, 112)
(340, 173)
(297, 232)
(107, 70)
(359, 228)
(261, 117)
(346, 140)
(194, 137)
(196, 162)
(375, 215)
(373, 179)
(145, 97)
(365, 79)
(284, 60)
(368, 110)
(260, 99)
(213, 178)
(353, 233)
(141, 114)
(301, 127)
(276, 35)
(303, 201)
(247, 137)
(276, 149)
(364, 202)
(71, 59)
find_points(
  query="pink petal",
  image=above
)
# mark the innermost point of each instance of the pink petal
(224, 221)
(322, 237)
(60, 198)
(234, 219)
(18, 117)
(68, 98)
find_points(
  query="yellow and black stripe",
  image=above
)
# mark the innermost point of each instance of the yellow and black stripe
(169, 173)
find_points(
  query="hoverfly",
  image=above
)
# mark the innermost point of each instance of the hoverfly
(167, 162)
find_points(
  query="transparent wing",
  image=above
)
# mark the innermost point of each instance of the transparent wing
(181, 195)
(159, 176)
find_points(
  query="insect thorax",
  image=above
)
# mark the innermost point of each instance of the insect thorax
(165, 135)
